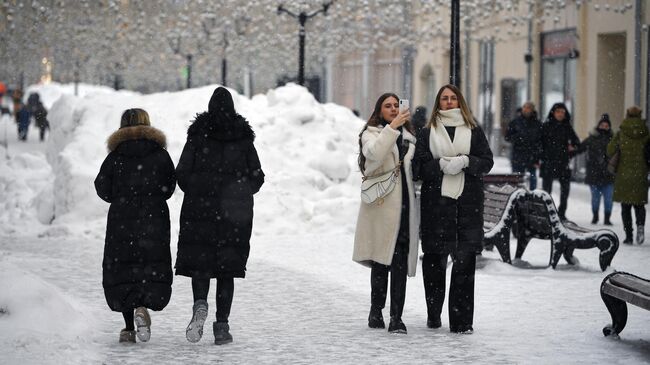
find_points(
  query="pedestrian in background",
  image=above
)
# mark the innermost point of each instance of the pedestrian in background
(21, 114)
(386, 236)
(38, 111)
(525, 135)
(452, 155)
(219, 171)
(599, 179)
(559, 144)
(419, 119)
(136, 178)
(631, 181)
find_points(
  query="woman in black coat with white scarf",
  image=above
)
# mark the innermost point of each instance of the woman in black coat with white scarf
(137, 177)
(219, 171)
(452, 154)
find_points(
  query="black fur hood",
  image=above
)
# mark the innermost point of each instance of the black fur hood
(220, 127)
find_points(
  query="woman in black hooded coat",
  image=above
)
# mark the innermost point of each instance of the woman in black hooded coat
(559, 144)
(219, 171)
(137, 177)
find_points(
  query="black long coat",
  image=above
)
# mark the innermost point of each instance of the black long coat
(448, 225)
(596, 147)
(556, 138)
(137, 177)
(219, 171)
(525, 134)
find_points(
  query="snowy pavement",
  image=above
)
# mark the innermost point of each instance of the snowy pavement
(303, 301)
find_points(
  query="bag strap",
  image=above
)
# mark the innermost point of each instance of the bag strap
(395, 171)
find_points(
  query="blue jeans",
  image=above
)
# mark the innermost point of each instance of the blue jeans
(522, 168)
(606, 191)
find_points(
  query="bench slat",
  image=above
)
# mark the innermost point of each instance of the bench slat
(495, 203)
(631, 297)
(492, 211)
(632, 283)
(496, 196)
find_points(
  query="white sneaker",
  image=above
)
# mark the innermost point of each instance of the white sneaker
(143, 324)
(194, 330)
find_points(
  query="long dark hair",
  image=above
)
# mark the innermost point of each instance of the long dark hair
(375, 120)
(470, 122)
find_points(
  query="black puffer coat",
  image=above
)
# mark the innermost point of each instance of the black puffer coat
(596, 147)
(525, 134)
(448, 225)
(137, 178)
(556, 138)
(219, 171)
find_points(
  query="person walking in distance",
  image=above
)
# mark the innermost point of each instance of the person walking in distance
(219, 171)
(452, 155)
(600, 181)
(631, 180)
(559, 144)
(525, 135)
(136, 178)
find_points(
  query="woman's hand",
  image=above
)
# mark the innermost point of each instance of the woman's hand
(400, 119)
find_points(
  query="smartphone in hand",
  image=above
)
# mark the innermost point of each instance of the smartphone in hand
(403, 105)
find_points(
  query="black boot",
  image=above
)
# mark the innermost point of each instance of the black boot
(378, 292)
(594, 220)
(375, 318)
(396, 326)
(222, 334)
(607, 221)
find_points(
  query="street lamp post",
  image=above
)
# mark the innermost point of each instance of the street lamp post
(302, 19)
(454, 72)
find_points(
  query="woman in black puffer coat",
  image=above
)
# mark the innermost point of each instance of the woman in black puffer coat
(137, 177)
(559, 144)
(451, 156)
(219, 171)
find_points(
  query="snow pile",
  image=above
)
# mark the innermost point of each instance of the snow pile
(33, 314)
(308, 152)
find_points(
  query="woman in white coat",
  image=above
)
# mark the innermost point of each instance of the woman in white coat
(386, 238)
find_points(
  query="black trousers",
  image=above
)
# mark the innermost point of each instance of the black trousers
(225, 291)
(461, 290)
(398, 272)
(565, 186)
(626, 213)
(128, 319)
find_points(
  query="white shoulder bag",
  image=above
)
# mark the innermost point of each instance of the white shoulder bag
(375, 188)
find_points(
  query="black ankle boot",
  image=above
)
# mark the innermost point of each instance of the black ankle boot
(375, 318)
(607, 221)
(221, 333)
(594, 220)
(396, 326)
(434, 322)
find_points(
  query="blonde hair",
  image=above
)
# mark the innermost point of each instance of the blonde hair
(470, 122)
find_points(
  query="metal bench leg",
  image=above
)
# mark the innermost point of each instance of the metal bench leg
(557, 249)
(618, 310)
(502, 242)
(522, 243)
(568, 255)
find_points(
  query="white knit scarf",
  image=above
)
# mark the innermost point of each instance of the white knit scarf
(441, 146)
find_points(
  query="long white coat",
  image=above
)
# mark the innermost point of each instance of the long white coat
(378, 225)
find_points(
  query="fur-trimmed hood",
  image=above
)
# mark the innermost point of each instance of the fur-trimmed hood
(214, 126)
(136, 133)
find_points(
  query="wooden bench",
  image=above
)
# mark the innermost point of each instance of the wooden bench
(509, 207)
(617, 289)
(498, 217)
(537, 217)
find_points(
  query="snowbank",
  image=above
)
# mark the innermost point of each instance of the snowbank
(308, 151)
(33, 314)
